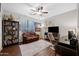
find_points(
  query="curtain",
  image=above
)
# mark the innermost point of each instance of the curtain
(27, 26)
(31, 26)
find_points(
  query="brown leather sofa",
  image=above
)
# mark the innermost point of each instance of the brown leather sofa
(30, 37)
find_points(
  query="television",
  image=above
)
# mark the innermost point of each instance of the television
(53, 29)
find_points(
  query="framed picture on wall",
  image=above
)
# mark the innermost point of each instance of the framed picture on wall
(37, 27)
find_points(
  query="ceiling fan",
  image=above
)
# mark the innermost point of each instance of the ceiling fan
(39, 10)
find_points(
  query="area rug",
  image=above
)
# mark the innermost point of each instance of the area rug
(33, 48)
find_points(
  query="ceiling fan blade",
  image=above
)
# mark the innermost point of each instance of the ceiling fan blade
(33, 10)
(45, 12)
(34, 13)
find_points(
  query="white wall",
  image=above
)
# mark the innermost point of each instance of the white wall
(66, 22)
(0, 30)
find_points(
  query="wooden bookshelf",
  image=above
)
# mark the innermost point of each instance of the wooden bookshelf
(10, 32)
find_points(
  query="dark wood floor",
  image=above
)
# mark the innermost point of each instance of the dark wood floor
(11, 51)
(15, 51)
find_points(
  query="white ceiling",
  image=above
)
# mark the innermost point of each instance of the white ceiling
(52, 8)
